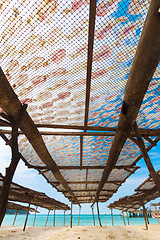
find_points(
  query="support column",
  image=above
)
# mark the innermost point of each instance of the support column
(64, 218)
(112, 216)
(47, 218)
(157, 214)
(26, 217)
(123, 218)
(54, 218)
(93, 216)
(144, 215)
(35, 217)
(79, 215)
(14, 162)
(71, 214)
(15, 217)
(98, 214)
(128, 218)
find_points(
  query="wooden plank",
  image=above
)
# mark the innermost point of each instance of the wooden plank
(10, 103)
(144, 215)
(92, 17)
(141, 74)
(79, 215)
(89, 182)
(71, 214)
(15, 217)
(112, 216)
(35, 217)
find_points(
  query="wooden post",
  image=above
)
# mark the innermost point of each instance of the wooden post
(9, 172)
(15, 217)
(157, 214)
(112, 216)
(98, 214)
(144, 215)
(123, 218)
(64, 218)
(54, 218)
(26, 217)
(71, 214)
(93, 216)
(127, 217)
(47, 218)
(79, 215)
(35, 216)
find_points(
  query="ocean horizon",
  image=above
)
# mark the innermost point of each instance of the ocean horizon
(85, 220)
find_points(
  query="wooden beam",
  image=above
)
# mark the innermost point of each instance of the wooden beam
(92, 17)
(93, 216)
(47, 218)
(71, 214)
(54, 218)
(86, 177)
(144, 215)
(155, 176)
(10, 103)
(64, 218)
(123, 218)
(88, 182)
(99, 215)
(81, 151)
(24, 228)
(143, 67)
(15, 217)
(35, 217)
(79, 215)
(112, 216)
(150, 140)
(9, 171)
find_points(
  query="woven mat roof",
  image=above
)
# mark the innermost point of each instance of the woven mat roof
(146, 192)
(15, 206)
(44, 55)
(19, 193)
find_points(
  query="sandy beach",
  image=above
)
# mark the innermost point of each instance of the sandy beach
(83, 233)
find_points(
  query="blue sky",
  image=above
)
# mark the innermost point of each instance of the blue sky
(30, 178)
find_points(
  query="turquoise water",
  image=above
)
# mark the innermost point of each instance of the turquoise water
(85, 220)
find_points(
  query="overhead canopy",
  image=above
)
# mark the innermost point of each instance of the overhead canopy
(146, 192)
(19, 193)
(73, 76)
(15, 206)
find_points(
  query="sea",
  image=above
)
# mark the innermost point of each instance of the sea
(85, 220)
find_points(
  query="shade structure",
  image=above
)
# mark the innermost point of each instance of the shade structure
(18, 207)
(146, 192)
(46, 54)
(19, 193)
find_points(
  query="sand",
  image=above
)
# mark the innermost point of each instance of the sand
(82, 233)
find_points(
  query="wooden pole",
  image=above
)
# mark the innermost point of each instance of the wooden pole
(79, 215)
(98, 215)
(144, 215)
(9, 171)
(156, 214)
(47, 218)
(123, 218)
(15, 217)
(54, 218)
(35, 216)
(112, 216)
(127, 217)
(93, 216)
(155, 176)
(64, 218)
(71, 214)
(26, 217)
(141, 74)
